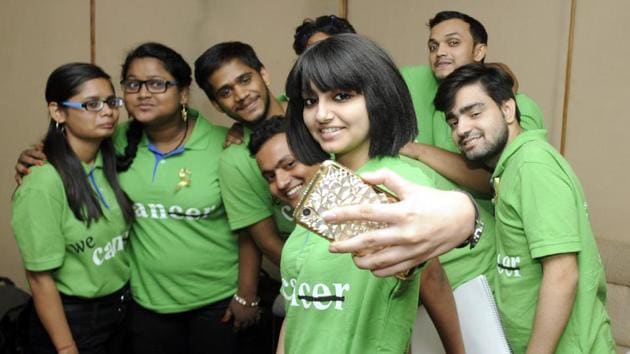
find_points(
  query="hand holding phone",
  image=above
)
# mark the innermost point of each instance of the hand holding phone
(332, 186)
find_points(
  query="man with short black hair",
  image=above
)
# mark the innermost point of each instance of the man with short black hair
(456, 39)
(550, 285)
(236, 82)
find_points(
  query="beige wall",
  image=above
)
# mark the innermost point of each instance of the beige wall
(597, 135)
(192, 26)
(530, 36)
(35, 37)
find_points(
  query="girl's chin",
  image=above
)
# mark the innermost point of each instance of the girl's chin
(331, 147)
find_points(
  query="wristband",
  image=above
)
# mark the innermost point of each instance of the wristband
(244, 302)
(473, 239)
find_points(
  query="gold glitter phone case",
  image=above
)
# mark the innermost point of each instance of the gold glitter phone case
(335, 185)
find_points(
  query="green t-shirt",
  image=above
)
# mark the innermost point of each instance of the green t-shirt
(246, 193)
(335, 307)
(183, 253)
(541, 210)
(84, 261)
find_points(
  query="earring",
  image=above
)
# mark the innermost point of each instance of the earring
(184, 113)
(60, 127)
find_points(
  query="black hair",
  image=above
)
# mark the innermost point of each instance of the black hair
(496, 83)
(175, 64)
(353, 63)
(218, 55)
(477, 30)
(63, 83)
(264, 131)
(329, 24)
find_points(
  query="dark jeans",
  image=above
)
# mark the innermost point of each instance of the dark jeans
(97, 325)
(195, 331)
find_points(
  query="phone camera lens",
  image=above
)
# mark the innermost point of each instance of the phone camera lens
(306, 212)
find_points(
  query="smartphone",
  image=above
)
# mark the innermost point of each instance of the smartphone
(332, 186)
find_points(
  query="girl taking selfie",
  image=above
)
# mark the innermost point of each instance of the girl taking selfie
(347, 100)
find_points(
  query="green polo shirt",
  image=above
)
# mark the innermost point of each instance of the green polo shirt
(183, 253)
(84, 261)
(422, 87)
(335, 307)
(460, 264)
(246, 193)
(541, 211)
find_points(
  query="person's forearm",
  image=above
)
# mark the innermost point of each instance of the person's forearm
(436, 296)
(49, 308)
(451, 165)
(555, 302)
(271, 248)
(280, 347)
(249, 266)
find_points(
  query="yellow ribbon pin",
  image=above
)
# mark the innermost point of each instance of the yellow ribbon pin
(184, 178)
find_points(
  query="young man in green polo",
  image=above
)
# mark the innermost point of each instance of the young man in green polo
(550, 284)
(456, 39)
(236, 82)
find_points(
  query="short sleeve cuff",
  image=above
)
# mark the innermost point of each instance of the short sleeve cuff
(247, 219)
(43, 265)
(557, 248)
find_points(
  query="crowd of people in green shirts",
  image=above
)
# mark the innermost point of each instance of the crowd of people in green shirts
(150, 234)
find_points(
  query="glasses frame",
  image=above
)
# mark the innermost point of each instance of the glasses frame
(112, 102)
(167, 84)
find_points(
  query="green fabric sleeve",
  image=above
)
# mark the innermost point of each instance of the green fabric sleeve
(37, 208)
(549, 212)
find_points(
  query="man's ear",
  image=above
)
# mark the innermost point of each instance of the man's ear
(479, 52)
(56, 112)
(265, 75)
(509, 111)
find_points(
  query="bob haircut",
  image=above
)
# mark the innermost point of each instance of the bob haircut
(351, 62)
(496, 83)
